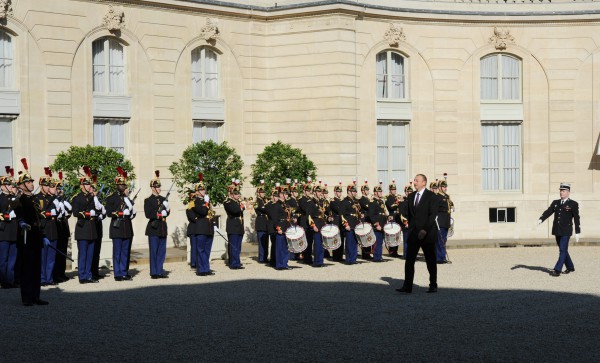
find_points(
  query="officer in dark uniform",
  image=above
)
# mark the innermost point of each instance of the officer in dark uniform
(392, 203)
(566, 213)
(280, 214)
(335, 206)
(350, 218)
(271, 226)
(378, 218)
(30, 237)
(203, 228)
(49, 211)
(121, 211)
(316, 221)
(8, 230)
(324, 203)
(156, 210)
(443, 221)
(364, 210)
(64, 232)
(305, 205)
(293, 209)
(260, 224)
(234, 226)
(86, 232)
(191, 228)
(99, 230)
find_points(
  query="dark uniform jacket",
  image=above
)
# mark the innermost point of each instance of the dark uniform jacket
(199, 212)
(120, 224)
(64, 231)
(350, 211)
(335, 206)
(444, 212)
(85, 228)
(564, 217)
(278, 216)
(47, 220)
(235, 216)
(393, 207)
(157, 224)
(422, 217)
(377, 213)
(292, 204)
(364, 208)
(270, 226)
(8, 224)
(303, 206)
(312, 210)
(27, 212)
(261, 215)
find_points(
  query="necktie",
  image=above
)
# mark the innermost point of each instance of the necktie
(417, 199)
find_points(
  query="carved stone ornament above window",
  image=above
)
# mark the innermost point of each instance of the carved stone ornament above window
(114, 19)
(394, 35)
(210, 30)
(501, 38)
(5, 8)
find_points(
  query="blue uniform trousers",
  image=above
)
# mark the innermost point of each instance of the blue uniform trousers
(204, 246)
(351, 247)
(378, 248)
(158, 253)
(84, 259)
(263, 246)
(120, 256)
(318, 249)
(48, 259)
(194, 250)
(235, 248)
(8, 259)
(563, 257)
(273, 239)
(281, 251)
(440, 247)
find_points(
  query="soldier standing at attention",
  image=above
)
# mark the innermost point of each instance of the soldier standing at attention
(260, 224)
(64, 232)
(350, 218)
(364, 202)
(49, 211)
(443, 220)
(235, 226)
(8, 231)
(203, 228)
(566, 212)
(86, 232)
(378, 218)
(335, 206)
(156, 209)
(392, 203)
(99, 229)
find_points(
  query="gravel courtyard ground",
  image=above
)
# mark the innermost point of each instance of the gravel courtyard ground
(493, 305)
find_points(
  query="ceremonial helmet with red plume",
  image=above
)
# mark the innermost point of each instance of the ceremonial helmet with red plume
(24, 176)
(200, 184)
(121, 178)
(86, 179)
(155, 183)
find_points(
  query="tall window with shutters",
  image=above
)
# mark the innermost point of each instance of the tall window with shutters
(500, 78)
(110, 133)
(391, 79)
(501, 156)
(392, 152)
(205, 74)
(109, 67)
(6, 142)
(207, 130)
(6, 61)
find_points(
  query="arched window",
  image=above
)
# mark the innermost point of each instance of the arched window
(109, 67)
(391, 78)
(500, 77)
(6, 61)
(205, 73)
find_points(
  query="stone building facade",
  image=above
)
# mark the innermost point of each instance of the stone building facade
(502, 96)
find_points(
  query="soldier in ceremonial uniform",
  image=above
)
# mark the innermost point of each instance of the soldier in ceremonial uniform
(99, 229)
(64, 232)
(335, 206)
(156, 209)
(86, 232)
(305, 205)
(443, 221)
(121, 211)
(566, 213)
(49, 208)
(350, 219)
(191, 218)
(8, 230)
(270, 225)
(260, 224)
(392, 203)
(316, 221)
(291, 204)
(364, 210)
(28, 217)
(235, 226)
(378, 218)
(281, 214)
(324, 204)
(203, 228)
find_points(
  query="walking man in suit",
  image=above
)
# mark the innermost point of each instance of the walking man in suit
(420, 210)
(566, 212)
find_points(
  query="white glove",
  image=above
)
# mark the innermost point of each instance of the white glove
(67, 206)
(206, 198)
(133, 213)
(56, 203)
(92, 213)
(53, 212)
(539, 221)
(216, 228)
(61, 206)
(62, 214)
(97, 203)
(11, 215)
(164, 213)
(100, 217)
(128, 202)
(103, 210)
(166, 204)
(576, 237)
(126, 212)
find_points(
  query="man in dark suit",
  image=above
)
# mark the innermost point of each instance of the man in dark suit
(566, 212)
(420, 210)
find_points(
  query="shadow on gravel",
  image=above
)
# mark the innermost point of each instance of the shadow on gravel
(297, 321)
(532, 268)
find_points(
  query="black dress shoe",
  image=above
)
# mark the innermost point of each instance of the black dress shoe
(367, 257)
(432, 290)
(377, 261)
(283, 268)
(404, 290)
(441, 262)
(554, 273)
(127, 278)
(163, 276)
(237, 268)
(351, 263)
(320, 265)
(567, 271)
(118, 278)
(154, 277)
(84, 281)
(53, 283)
(93, 281)
(40, 302)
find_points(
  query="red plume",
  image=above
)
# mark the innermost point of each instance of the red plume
(24, 162)
(46, 171)
(12, 172)
(120, 170)
(124, 174)
(87, 171)
(200, 176)
(7, 169)
(60, 175)
(157, 173)
(94, 178)
(49, 172)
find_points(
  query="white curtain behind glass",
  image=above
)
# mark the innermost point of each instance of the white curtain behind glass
(197, 73)
(6, 61)
(489, 157)
(117, 68)
(511, 82)
(397, 76)
(511, 150)
(6, 157)
(117, 136)
(211, 74)
(382, 75)
(382, 152)
(391, 152)
(100, 133)
(99, 66)
(489, 77)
